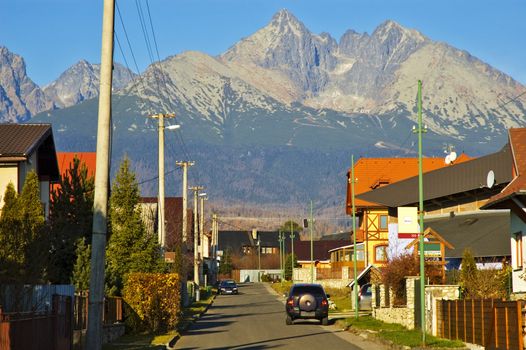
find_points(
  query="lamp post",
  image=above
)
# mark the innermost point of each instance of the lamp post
(421, 215)
(311, 247)
(161, 228)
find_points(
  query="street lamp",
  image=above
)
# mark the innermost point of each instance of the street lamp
(161, 230)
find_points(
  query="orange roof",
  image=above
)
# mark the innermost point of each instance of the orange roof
(65, 159)
(517, 140)
(371, 173)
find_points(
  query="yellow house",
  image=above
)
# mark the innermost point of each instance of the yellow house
(373, 218)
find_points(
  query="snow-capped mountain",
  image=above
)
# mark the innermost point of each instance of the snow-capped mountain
(281, 110)
(81, 82)
(20, 97)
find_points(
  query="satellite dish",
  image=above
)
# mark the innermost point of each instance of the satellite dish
(448, 159)
(490, 179)
(453, 156)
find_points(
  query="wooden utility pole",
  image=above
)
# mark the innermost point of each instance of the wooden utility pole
(161, 227)
(203, 198)
(196, 190)
(214, 245)
(185, 166)
(100, 201)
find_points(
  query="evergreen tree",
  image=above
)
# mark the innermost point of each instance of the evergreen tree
(24, 245)
(225, 266)
(81, 270)
(71, 219)
(295, 227)
(468, 272)
(130, 247)
(11, 252)
(33, 227)
(288, 265)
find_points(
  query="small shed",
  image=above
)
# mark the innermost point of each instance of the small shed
(434, 254)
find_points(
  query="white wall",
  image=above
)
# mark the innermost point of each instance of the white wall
(8, 173)
(517, 225)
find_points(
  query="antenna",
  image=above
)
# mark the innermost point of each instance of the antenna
(490, 179)
(451, 154)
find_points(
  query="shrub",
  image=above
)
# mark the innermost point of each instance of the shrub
(395, 272)
(152, 301)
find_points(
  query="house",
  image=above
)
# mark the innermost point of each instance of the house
(320, 249)
(372, 174)
(174, 221)
(245, 242)
(458, 191)
(513, 198)
(25, 148)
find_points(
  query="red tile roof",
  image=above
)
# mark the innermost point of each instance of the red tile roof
(65, 159)
(371, 173)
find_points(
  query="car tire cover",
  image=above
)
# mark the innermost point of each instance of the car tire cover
(307, 302)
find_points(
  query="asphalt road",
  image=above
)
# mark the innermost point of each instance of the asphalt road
(255, 319)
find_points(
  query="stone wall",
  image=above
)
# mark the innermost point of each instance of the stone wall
(406, 315)
(401, 315)
(433, 294)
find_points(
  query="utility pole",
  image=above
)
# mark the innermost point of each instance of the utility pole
(203, 198)
(161, 229)
(355, 291)
(292, 251)
(185, 166)
(214, 244)
(280, 239)
(311, 247)
(421, 215)
(100, 201)
(196, 190)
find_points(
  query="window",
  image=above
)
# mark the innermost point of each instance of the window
(380, 253)
(383, 222)
(518, 250)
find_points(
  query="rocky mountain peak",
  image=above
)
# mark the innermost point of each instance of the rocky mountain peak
(284, 21)
(20, 97)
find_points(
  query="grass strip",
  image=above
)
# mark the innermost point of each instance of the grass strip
(400, 335)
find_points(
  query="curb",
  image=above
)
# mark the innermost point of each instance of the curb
(171, 344)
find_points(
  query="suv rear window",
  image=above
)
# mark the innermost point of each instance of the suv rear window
(314, 290)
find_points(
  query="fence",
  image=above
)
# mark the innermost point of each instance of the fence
(40, 330)
(494, 324)
(328, 274)
(111, 313)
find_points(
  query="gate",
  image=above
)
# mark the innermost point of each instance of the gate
(492, 323)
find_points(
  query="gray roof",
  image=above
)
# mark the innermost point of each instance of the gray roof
(485, 232)
(455, 184)
(19, 141)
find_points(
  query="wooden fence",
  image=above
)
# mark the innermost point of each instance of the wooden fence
(38, 330)
(494, 324)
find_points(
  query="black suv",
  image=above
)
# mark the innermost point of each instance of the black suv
(307, 301)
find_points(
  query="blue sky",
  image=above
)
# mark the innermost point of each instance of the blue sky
(52, 35)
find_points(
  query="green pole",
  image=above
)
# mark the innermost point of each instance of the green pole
(311, 248)
(280, 239)
(292, 251)
(354, 241)
(421, 215)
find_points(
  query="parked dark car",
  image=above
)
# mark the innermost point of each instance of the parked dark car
(307, 301)
(227, 287)
(365, 295)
